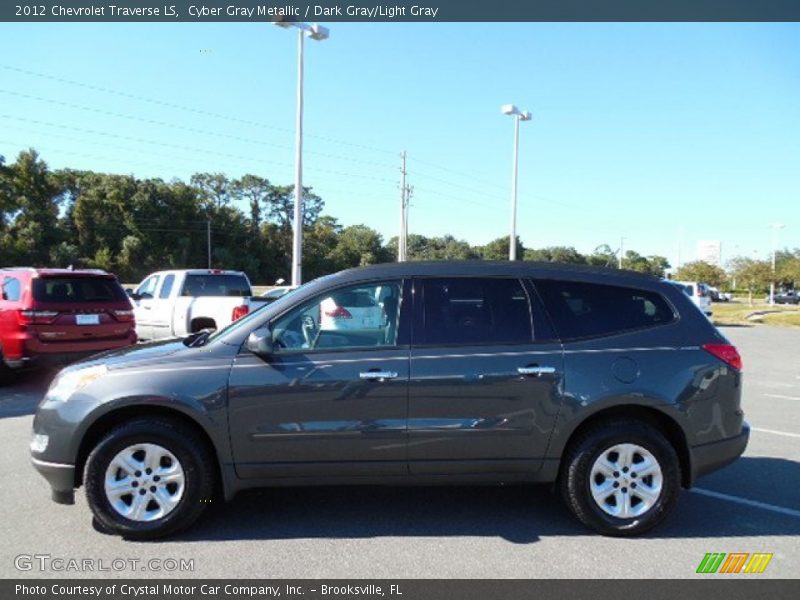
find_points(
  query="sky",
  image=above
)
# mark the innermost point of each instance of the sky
(661, 134)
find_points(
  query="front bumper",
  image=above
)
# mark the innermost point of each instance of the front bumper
(61, 478)
(714, 456)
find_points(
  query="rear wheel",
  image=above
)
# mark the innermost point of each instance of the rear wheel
(621, 478)
(6, 373)
(149, 478)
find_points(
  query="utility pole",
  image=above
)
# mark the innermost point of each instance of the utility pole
(621, 250)
(405, 196)
(775, 228)
(208, 238)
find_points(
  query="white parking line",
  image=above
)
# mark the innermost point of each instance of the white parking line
(754, 503)
(772, 431)
(782, 397)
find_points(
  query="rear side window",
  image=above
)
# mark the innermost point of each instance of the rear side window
(77, 289)
(216, 285)
(582, 310)
(11, 289)
(475, 311)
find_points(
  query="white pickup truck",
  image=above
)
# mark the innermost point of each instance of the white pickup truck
(178, 303)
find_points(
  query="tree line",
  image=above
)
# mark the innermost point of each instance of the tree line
(133, 226)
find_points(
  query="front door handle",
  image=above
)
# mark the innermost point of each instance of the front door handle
(536, 370)
(378, 375)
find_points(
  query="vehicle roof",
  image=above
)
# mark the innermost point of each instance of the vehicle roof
(198, 272)
(484, 268)
(52, 272)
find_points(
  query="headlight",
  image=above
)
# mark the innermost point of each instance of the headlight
(70, 382)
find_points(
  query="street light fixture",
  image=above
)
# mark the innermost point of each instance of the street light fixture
(317, 33)
(776, 227)
(519, 115)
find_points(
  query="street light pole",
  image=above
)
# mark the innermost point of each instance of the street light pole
(775, 228)
(297, 238)
(519, 115)
(318, 33)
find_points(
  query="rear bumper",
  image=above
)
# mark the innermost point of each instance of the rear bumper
(61, 478)
(36, 354)
(714, 456)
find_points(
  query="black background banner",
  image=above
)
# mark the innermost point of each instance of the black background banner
(399, 10)
(711, 587)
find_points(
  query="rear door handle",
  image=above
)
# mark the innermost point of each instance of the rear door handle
(378, 375)
(536, 370)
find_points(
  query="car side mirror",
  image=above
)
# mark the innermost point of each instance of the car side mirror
(260, 342)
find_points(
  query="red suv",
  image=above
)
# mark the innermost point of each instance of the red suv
(57, 314)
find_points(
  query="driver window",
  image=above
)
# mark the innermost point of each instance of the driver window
(360, 316)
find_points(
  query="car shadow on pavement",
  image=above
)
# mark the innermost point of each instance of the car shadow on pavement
(21, 396)
(518, 514)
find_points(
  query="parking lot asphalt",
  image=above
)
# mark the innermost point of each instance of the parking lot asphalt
(424, 532)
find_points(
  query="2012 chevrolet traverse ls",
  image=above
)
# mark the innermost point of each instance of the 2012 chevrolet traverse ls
(610, 383)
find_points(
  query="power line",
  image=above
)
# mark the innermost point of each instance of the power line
(197, 111)
(170, 125)
(249, 159)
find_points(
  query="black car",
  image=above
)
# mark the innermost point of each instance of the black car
(609, 383)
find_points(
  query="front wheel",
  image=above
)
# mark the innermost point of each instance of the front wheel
(149, 478)
(621, 478)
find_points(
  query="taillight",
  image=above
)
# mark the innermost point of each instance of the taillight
(27, 317)
(240, 311)
(340, 312)
(123, 315)
(726, 353)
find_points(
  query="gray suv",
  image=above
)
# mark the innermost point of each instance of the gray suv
(610, 384)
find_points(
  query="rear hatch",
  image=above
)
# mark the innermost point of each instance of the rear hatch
(79, 307)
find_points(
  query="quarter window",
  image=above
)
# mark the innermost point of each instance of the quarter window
(11, 289)
(359, 316)
(588, 309)
(475, 311)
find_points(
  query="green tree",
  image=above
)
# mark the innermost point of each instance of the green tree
(702, 271)
(787, 267)
(358, 245)
(653, 265)
(215, 189)
(256, 191)
(753, 275)
(498, 249)
(603, 256)
(556, 254)
(319, 243)
(29, 204)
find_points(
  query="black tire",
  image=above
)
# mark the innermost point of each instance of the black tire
(582, 454)
(194, 456)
